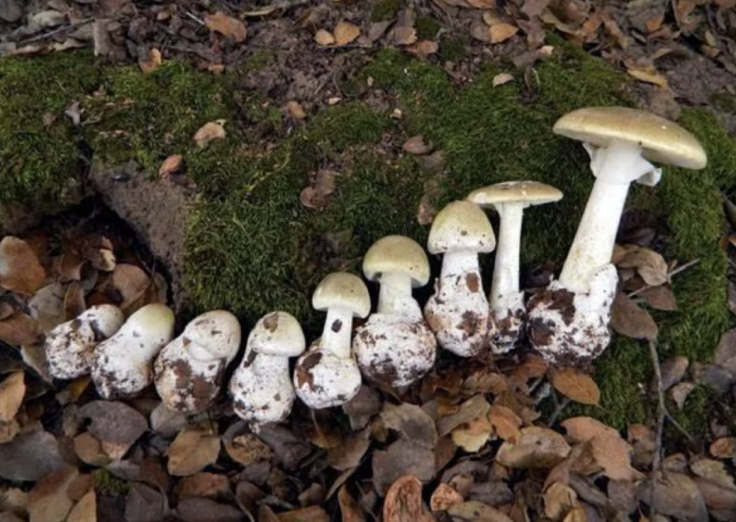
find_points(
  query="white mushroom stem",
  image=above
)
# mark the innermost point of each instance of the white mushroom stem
(337, 331)
(506, 270)
(395, 287)
(457, 263)
(270, 365)
(615, 168)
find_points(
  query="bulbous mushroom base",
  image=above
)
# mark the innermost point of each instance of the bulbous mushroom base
(261, 398)
(571, 329)
(185, 384)
(459, 320)
(506, 328)
(117, 376)
(394, 350)
(323, 380)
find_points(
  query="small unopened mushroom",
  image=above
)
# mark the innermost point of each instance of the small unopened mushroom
(261, 385)
(70, 346)
(458, 311)
(327, 375)
(395, 347)
(122, 364)
(568, 322)
(190, 369)
(508, 311)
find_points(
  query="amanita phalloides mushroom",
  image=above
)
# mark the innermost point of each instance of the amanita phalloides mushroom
(458, 311)
(122, 363)
(261, 385)
(568, 322)
(395, 347)
(327, 375)
(508, 311)
(70, 346)
(190, 369)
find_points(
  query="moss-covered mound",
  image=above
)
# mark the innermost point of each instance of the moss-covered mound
(252, 247)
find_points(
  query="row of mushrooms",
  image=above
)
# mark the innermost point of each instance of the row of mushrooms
(567, 322)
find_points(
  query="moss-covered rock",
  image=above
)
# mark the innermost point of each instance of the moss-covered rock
(252, 247)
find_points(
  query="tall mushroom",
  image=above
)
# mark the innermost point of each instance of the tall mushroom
(70, 346)
(190, 369)
(568, 323)
(261, 385)
(327, 375)
(122, 364)
(395, 347)
(508, 311)
(458, 312)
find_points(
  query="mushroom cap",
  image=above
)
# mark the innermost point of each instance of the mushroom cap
(277, 333)
(461, 225)
(155, 321)
(397, 254)
(213, 335)
(661, 140)
(342, 290)
(526, 192)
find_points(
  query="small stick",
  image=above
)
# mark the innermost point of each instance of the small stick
(661, 406)
(194, 17)
(558, 410)
(56, 31)
(670, 274)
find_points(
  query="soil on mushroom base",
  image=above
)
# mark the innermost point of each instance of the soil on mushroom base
(252, 247)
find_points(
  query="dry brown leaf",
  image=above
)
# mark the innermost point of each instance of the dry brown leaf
(721, 501)
(226, 25)
(502, 32)
(46, 306)
(480, 31)
(576, 385)
(50, 500)
(474, 511)
(610, 451)
(171, 165)
(19, 329)
(403, 35)
(417, 146)
(12, 391)
(345, 32)
(723, 448)
(423, 48)
(713, 471)
(536, 448)
(482, 4)
(85, 510)
(659, 298)
(650, 265)
(307, 514)
(473, 435)
(317, 195)
(350, 453)
(680, 393)
(128, 282)
(672, 370)
(532, 367)
(505, 422)
(295, 110)
(208, 485)
(20, 269)
(8, 430)
(324, 37)
(89, 450)
(630, 320)
(74, 302)
(559, 499)
(248, 449)
(444, 497)
(502, 78)
(212, 130)
(647, 74)
(348, 507)
(675, 495)
(577, 514)
(192, 450)
(151, 62)
(404, 502)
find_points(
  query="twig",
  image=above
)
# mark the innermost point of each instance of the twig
(670, 274)
(558, 410)
(661, 407)
(56, 31)
(194, 17)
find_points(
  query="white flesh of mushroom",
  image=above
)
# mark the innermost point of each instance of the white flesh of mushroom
(122, 364)
(70, 346)
(261, 386)
(190, 369)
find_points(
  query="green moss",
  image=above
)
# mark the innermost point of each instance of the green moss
(427, 27)
(105, 483)
(260, 59)
(724, 101)
(452, 49)
(384, 10)
(41, 162)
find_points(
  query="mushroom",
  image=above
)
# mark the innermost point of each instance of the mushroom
(508, 312)
(70, 346)
(568, 323)
(122, 364)
(327, 375)
(395, 347)
(458, 311)
(189, 371)
(261, 385)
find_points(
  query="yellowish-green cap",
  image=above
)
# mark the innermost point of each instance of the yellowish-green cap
(461, 225)
(397, 254)
(342, 290)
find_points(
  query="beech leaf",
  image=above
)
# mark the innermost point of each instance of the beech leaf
(12, 391)
(226, 25)
(20, 269)
(576, 385)
(630, 320)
